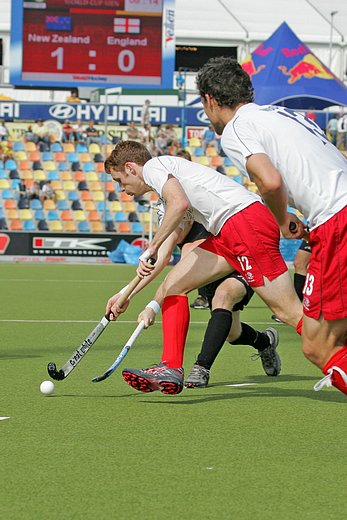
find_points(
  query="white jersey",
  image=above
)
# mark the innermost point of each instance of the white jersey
(213, 197)
(313, 170)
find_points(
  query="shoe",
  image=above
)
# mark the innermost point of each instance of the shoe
(158, 377)
(274, 317)
(198, 377)
(269, 357)
(199, 303)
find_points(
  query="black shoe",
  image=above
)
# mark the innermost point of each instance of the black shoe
(199, 303)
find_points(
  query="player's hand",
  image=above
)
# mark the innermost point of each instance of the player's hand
(293, 228)
(114, 309)
(146, 263)
(148, 317)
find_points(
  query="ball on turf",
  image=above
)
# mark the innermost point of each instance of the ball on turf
(47, 387)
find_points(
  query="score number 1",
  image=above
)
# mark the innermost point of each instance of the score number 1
(125, 60)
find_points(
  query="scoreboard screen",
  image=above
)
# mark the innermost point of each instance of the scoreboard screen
(99, 43)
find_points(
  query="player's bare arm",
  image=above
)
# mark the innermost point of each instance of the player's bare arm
(274, 193)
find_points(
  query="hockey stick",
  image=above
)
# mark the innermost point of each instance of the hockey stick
(85, 346)
(126, 348)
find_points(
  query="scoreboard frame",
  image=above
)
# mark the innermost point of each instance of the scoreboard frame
(143, 59)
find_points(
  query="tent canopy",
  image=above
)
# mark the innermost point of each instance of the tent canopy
(285, 72)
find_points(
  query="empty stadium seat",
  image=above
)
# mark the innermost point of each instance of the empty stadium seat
(56, 147)
(46, 156)
(129, 206)
(12, 214)
(62, 205)
(49, 204)
(99, 167)
(194, 142)
(137, 227)
(4, 184)
(10, 164)
(68, 148)
(63, 166)
(73, 195)
(92, 176)
(39, 214)
(80, 216)
(97, 227)
(86, 195)
(110, 226)
(55, 225)
(69, 225)
(115, 205)
(60, 195)
(29, 225)
(60, 157)
(37, 165)
(94, 148)
(66, 214)
(30, 146)
(42, 225)
(18, 146)
(123, 227)
(21, 156)
(39, 175)
(202, 160)
(7, 194)
(83, 227)
(81, 148)
(94, 216)
(98, 158)
(35, 204)
(25, 214)
(88, 167)
(72, 157)
(34, 156)
(98, 195)
(53, 176)
(9, 204)
(15, 225)
(52, 214)
(120, 216)
(49, 166)
(3, 174)
(89, 205)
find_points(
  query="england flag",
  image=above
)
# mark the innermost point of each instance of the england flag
(127, 25)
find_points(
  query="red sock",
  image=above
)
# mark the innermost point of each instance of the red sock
(339, 359)
(175, 315)
(299, 327)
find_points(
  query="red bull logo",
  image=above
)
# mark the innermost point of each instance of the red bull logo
(309, 67)
(250, 68)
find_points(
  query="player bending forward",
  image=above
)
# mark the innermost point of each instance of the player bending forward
(291, 160)
(245, 238)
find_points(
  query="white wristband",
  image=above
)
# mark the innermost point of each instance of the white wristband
(145, 255)
(154, 306)
(122, 291)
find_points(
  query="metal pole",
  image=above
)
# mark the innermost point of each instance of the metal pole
(332, 14)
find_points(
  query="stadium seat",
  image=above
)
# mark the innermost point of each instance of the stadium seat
(120, 217)
(89, 205)
(86, 195)
(98, 195)
(81, 148)
(129, 206)
(42, 225)
(21, 156)
(228, 162)
(66, 214)
(211, 151)
(60, 195)
(68, 148)
(79, 176)
(7, 194)
(3, 174)
(73, 195)
(112, 196)
(69, 225)
(55, 225)
(23, 165)
(110, 226)
(88, 167)
(34, 156)
(18, 146)
(106, 149)
(66, 176)
(10, 164)
(53, 176)
(39, 215)
(98, 158)
(25, 214)
(29, 225)
(35, 204)
(80, 216)
(95, 186)
(115, 205)
(83, 227)
(62, 205)
(137, 227)
(4, 184)
(30, 146)
(82, 186)
(123, 227)
(124, 197)
(232, 171)
(16, 225)
(39, 175)
(52, 214)
(202, 160)
(72, 157)
(37, 165)
(101, 205)
(85, 158)
(97, 227)
(9, 204)
(60, 157)
(69, 185)
(46, 156)
(57, 185)
(99, 167)
(63, 166)
(92, 176)
(144, 217)
(12, 214)
(56, 147)
(216, 161)
(94, 216)
(26, 175)
(3, 224)
(49, 204)
(15, 184)
(76, 205)
(49, 166)
(94, 148)
(194, 142)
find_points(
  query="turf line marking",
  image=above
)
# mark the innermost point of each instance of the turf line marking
(3, 418)
(62, 281)
(119, 322)
(242, 384)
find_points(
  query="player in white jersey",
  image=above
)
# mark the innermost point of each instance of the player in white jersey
(292, 162)
(245, 238)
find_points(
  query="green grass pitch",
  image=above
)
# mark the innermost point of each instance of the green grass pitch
(273, 450)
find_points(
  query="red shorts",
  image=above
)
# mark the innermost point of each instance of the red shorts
(249, 241)
(325, 290)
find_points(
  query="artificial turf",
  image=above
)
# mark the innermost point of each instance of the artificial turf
(274, 449)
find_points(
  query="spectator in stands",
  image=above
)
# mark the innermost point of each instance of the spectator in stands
(28, 134)
(161, 143)
(34, 191)
(92, 134)
(209, 138)
(133, 132)
(47, 192)
(332, 129)
(41, 135)
(145, 112)
(23, 199)
(68, 132)
(172, 139)
(73, 97)
(79, 131)
(3, 131)
(342, 132)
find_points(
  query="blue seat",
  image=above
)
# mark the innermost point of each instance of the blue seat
(39, 214)
(3, 174)
(29, 225)
(120, 217)
(63, 166)
(72, 157)
(88, 167)
(81, 148)
(106, 216)
(104, 177)
(15, 184)
(199, 151)
(62, 205)
(47, 156)
(83, 227)
(35, 204)
(7, 194)
(2, 214)
(142, 208)
(10, 164)
(53, 176)
(137, 227)
(18, 146)
(56, 147)
(73, 195)
(53, 214)
(228, 162)
(100, 205)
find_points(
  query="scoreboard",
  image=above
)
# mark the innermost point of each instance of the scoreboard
(99, 43)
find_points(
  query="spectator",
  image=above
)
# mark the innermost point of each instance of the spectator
(41, 136)
(332, 129)
(79, 131)
(145, 112)
(311, 115)
(172, 139)
(161, 143)
(23, 200)
(3, 131)
(73, 97)
(92, 134)
(133, 132)
(68, 132)
(209, 138)
(341, 127)
(47, 192)
(35, 191)
(28, 134)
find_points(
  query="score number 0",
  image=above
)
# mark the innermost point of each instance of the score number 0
(126, 59)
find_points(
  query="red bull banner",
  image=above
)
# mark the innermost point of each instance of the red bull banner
(285, 72)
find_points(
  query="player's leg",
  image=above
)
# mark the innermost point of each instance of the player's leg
(301, 261)
(324, 344)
